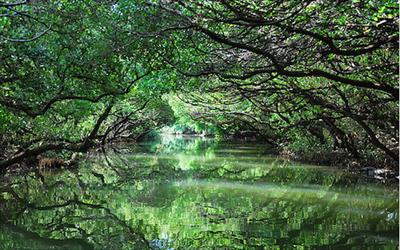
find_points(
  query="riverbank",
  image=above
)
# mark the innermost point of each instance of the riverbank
(378, 169)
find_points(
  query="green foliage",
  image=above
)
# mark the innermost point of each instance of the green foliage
(299, 75)
(55, 87)
(184, 122)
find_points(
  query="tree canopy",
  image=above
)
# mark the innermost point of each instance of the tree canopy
(302, 75)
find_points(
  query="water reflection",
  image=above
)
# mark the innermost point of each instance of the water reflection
(181, 193)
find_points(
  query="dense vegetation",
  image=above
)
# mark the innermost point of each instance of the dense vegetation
(305, 76)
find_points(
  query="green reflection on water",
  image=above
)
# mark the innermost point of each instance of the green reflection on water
(194, 193)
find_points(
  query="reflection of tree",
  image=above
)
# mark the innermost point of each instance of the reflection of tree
(63, 219)
(29, 240)
(120, 199)
(128, 167)
(192, 145)
(308, 218)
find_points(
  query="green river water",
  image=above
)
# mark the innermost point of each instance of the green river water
(196, 193)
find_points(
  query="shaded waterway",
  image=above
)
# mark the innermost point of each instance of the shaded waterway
(196, 193)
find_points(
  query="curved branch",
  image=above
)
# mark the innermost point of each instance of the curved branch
(311, 73)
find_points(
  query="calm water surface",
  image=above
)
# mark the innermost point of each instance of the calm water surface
(196, 193)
